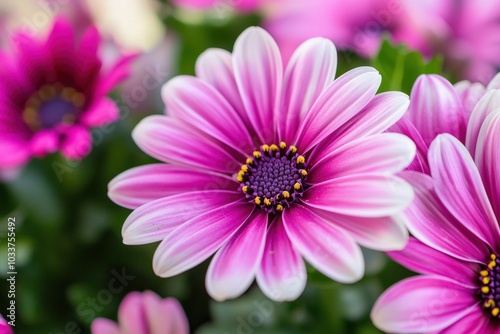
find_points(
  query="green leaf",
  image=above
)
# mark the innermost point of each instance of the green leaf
(400, 66)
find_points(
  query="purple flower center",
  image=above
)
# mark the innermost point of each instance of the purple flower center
(274, 177)
(52, 105)
(489, 278)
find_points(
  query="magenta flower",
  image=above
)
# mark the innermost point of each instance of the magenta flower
(145, 313)
(467, 33)
(4, 326)
(456, 244)
(266, 168)
(52, 92)
(357, 25)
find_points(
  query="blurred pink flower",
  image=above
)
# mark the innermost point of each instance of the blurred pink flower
(456, 244)
(265, 167)
(467, 32)
(52, 91)
(4, 326)
(241, 5)
(145, 313)
(357, 25)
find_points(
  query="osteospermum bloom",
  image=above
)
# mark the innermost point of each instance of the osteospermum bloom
(437, 107)
(4, 326)
(145, 313)
(456, 244)
(52, 91)
(266, 168)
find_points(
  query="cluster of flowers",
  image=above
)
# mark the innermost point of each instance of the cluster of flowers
(268, 166)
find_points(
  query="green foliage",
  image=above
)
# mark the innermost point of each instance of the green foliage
(400, 66)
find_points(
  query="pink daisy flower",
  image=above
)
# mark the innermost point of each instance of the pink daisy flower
(52, 91)
(265, 168)
(145, 313)
(357, 25)
(437, 107)
(456, 244)
(4, 326)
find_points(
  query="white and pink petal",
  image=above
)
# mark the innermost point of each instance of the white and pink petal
(282, 275)
(329, 249)
(233, 268)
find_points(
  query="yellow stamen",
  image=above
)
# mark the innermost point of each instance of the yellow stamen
(33, 102)
(492, 264)
(244, 168)
(483, 273)
(265, 148)
(493, 257)
(267, 201)
(282, 145)
(489, 303)
(297, 186)
(67, 93)
(495, 311)
(47, 92)
(286, 194)
(485, 289)
(293, 149)
(257, 200)
(273, 148)
(301, 159)
(486, 280)
(78, 99)
(256, 154)
(303, 172)
(244, 189)
(279, 207)
(249, 161)
(30, 116)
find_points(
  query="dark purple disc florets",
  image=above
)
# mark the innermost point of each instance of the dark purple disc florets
(274, 177)
(489, 278)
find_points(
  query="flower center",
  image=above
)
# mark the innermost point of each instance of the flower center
(489, 278)
(51, 105)
(274, 177)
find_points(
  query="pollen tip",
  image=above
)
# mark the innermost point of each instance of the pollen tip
(495, 311)
(249, 161)
(486, 280)
(244, 189)
(485, 289)
(279, 207)
(286, 194)
(303, 173)
(265, 148)
(301, 159)
(489, 303)
(257, 200)
(282, 145)
(257, 154)
(492, 264)
(293, 149)
(297, 186)
(273, 148)
(267, 202)
(493, 257)
(483, 273)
